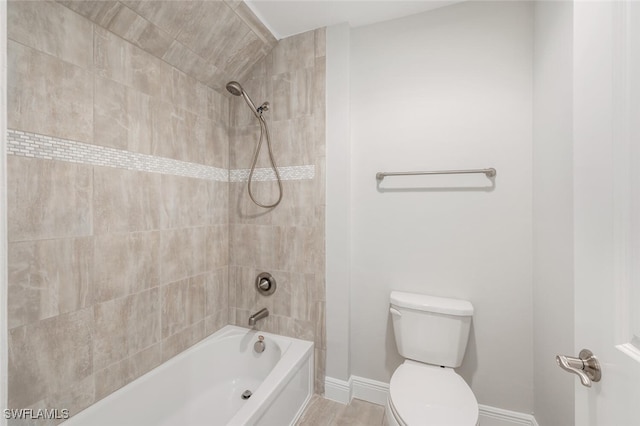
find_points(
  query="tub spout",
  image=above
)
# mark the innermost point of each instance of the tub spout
(262, 313)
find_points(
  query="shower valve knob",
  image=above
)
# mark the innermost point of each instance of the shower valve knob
(265, 284)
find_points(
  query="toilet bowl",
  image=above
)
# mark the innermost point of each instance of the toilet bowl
(431, 334)
(421, 394)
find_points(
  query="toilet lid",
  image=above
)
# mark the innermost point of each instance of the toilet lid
(429, 395)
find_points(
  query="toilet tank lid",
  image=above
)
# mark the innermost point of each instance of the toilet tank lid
(423, 302)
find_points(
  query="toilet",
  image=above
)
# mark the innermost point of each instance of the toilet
(431, 334)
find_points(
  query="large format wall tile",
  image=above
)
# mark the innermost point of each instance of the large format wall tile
(125, 201)
(217, 145)
(180, 341)
(208, 40)
(171, 16)
(213, 41)
(292, 54)
(182, 253)
(218, 203)
(243, 11)
(121, 61)
(293, 94)
(217, 291)
(99, 11)
(189, 94)
(126, 326)
(125, 264)
(51, 28)
(48, 199)
(184, 59)
(178, 133)
(66, 341)
(243, 51)
(182, 304)
(117, 375)
(111, 118)
(49, 278)
(122, 117)
(47, 95)
(134, 28)
(252, 245)
(217, 247)
(178, 205)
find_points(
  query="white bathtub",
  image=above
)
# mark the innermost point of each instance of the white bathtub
(204, 384)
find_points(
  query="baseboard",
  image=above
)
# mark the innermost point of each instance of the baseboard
(492, 416)
(356, 387)
(369, 390)
(376, 392)
(337, 390)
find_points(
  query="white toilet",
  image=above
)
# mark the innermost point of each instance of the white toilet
(431, 333)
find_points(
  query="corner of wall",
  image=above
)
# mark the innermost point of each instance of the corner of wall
(552, 290)
(338, 214)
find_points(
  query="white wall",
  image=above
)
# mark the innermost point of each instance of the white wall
(553, 210)
(448, 89)
(338, 214)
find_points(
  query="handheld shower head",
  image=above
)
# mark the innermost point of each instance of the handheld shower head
(234, 88)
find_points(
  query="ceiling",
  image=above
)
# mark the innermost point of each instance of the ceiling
(289, 17)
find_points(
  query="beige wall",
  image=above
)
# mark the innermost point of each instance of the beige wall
(117, 260)
(212, 41)
(287, 241)
(111, 271)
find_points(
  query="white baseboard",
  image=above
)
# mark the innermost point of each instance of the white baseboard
(369, 390)
(376, 392)
(492, 416)
(337, 390)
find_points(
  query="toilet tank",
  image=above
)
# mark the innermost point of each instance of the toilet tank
(430, 329)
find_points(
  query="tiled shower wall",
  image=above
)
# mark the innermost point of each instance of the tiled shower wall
(119, 191)
(112, 269)
(287, 241)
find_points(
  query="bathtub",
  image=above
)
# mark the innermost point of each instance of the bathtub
(204, 386)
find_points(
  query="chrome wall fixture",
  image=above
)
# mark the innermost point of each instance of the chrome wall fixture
(262, 313)
(265, 284)
(490, 173)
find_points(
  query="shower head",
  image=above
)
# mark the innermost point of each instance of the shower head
(234, 88)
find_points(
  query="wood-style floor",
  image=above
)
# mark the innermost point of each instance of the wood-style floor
(323, 412)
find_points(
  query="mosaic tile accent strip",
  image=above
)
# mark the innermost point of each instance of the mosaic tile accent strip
(49, 148)
(33, 145)
(267, 174)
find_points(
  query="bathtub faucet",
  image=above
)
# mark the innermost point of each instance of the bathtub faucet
(262, 313)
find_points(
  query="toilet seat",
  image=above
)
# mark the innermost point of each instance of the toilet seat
(422, 394)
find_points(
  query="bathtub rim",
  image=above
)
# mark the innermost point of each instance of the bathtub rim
(302, 349)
